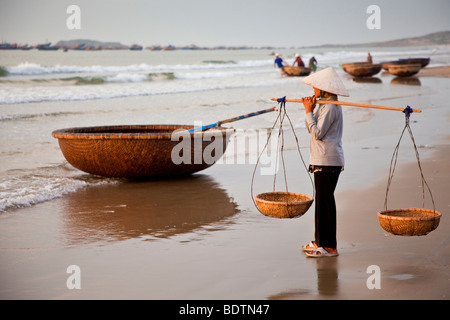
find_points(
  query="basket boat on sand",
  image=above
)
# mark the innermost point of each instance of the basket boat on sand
(422, 61)
(361, 69)
(409, 222)
(404, 70)
(283, 204)
(138, 151)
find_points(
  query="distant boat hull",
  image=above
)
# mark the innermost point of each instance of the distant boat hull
(294, 71)
(46, 47)
(361, 69)
(422, 61)
(404, 70)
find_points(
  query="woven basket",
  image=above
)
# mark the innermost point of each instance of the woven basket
(410, 221)
(283, 204)
(135, 151)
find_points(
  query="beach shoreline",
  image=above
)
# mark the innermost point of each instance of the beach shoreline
(201, 237)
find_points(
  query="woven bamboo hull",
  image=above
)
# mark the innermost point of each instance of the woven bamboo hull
(409, 222)
(294, 71)
(385, 65)
(140, 151)
(404, 70)
(422, 61)
(283, 204)
(361, 69)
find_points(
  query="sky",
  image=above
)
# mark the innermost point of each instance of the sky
(278, 23)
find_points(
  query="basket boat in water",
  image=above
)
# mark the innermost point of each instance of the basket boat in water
(361, 69)
(142, 151)
(295, 71)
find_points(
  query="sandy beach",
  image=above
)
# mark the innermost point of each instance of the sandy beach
(202, 238)
(441, 72)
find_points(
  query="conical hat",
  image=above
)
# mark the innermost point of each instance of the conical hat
(327, 80)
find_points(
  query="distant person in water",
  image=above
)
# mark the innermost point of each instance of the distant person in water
(298, 60)
(369, 59)
(312, 64)
(279, 62)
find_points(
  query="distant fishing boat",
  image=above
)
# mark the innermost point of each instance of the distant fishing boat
(295, 71)
(8, 46)
(46, 46)
(361, 69)
(136, 47)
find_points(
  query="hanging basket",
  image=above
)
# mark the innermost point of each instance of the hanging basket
(283, 204)
(409, 222)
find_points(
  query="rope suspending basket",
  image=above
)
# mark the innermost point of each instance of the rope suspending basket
(409, 221)
(282, 204)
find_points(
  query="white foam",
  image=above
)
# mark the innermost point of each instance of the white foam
(24, 189)
(127, 77)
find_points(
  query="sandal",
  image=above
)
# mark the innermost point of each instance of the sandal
(310, 247)
(321, 253)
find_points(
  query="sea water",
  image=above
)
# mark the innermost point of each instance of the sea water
(48, 90)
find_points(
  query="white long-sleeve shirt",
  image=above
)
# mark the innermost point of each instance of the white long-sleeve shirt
(325, 127)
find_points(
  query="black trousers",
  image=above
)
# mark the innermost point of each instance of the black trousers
(325, 207)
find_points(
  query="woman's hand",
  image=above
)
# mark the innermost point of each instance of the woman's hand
(309, 103)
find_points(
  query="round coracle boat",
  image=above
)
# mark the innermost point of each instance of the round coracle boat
(385, 65)
(295, 71)
(404, 70)
(361, 69)
(283, 204)
(409, 222)
(422, 61)
(142, 151)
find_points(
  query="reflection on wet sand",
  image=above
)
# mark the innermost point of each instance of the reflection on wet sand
(410, 81)
(150, 209)
(327, 277)
(367, 80)
(327, 283)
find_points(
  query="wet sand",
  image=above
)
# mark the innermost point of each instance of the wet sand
(202, 238)
(411, 267)
(213, 244)
(441, 72)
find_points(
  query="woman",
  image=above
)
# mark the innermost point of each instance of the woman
(325, 127)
